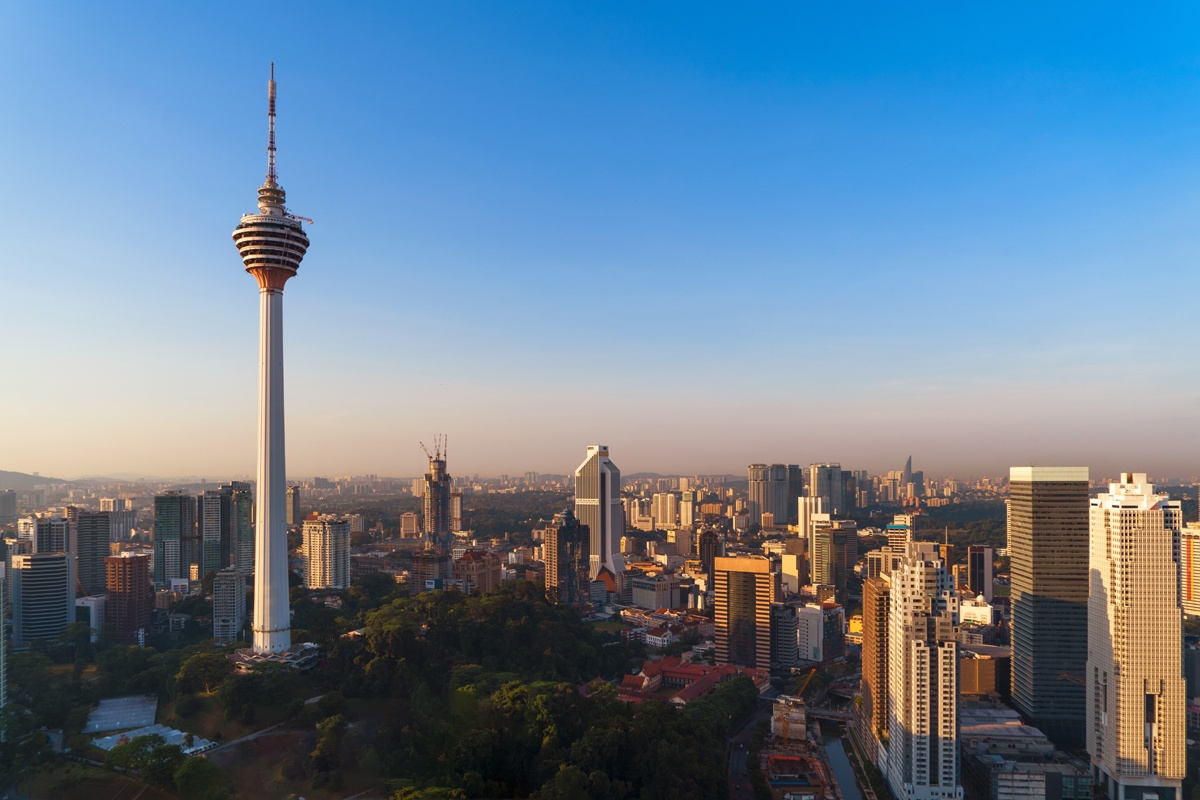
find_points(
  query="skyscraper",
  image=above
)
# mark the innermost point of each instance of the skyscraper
(294, 517)
(565, 552)
(825, 480)
(598, 506)
(711, 544)
(212, 509)
(271, 244)
(229, 604)
(92, 536)
(922, 694)
(326, 552)
(1048, 547)
(875, 599)
(979, 571)
(437, 500)
(769, 488)
(456, 510)
(174, 526)
(130, 597)
(835, 551)
(795, 490)
(756, 500)
(8, 507)
(1135, 687)
(743, 591)
(43, 592)
(237, 526)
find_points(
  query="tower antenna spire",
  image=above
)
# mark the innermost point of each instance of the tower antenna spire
(271, 174)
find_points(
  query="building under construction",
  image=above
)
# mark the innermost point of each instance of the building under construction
(431, 568)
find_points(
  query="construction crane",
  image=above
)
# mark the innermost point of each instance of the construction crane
(811, 673)
(439, 448)
(293, 215)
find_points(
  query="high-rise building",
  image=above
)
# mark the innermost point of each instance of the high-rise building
(808, 508)
(922, 640)
(271, 243)
(1189, 570)
(665, 510)
(237, 526)
(979, 571)
(437, 500)
(112, 504)
(174, 528)
(229, 604)
(45, 534)
(873, 712)
(565, 552)
(410, 525)
(756, 500)
(92, 532)
(212, 509)
(43, 593)
(1048, 548)
(598, 506)
(769, 487)
(8, 507)
(294, 517)
(1136, 693)
(456, 510)
(743, 591)
(130, 597)
(326, 552)
(835, 551)
(795, 490)
(825, 480)
(711, 545)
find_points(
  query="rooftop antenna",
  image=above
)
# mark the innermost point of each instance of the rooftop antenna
(271, 174)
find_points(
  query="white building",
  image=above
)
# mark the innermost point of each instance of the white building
(1135, 686)
(327, 552)
(977, 611)
(922, 690)
(598, 505)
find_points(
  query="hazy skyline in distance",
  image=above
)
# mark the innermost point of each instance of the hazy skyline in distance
(703, 236)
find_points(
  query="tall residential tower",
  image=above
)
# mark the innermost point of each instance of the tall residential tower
(1136, 695)
(271, 244)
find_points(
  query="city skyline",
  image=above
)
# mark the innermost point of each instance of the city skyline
(923, 214)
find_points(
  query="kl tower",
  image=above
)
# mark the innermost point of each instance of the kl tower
(271, 244)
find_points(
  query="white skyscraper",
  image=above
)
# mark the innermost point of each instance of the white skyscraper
(598, 505)
(1135, 687)
(327, 553)
(922, 687)
(271, 244)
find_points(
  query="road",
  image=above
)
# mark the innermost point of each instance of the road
(740, 787)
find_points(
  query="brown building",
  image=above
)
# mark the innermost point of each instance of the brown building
(876, 594)
(430, 570)
(479, 570)
(744, 589)
(130, 596)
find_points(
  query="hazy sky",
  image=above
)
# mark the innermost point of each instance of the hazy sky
(701, 235)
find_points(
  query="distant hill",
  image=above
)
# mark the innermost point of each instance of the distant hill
(23, 482)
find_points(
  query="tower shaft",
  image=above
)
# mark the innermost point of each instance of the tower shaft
(272, 627)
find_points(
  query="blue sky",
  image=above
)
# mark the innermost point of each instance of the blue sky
(703, 236)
